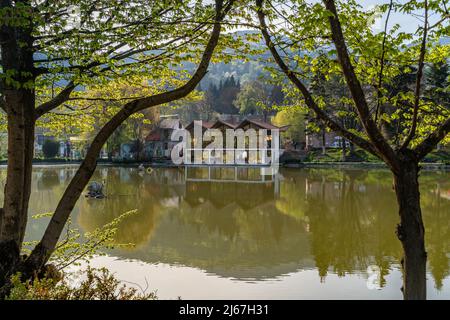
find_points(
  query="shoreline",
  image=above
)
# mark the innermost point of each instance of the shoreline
(432, 166)
(363, 165)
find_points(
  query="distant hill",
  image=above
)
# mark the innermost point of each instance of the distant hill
(242, 71)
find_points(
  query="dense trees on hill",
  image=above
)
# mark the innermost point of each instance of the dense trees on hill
(220, 97)
(438, 83)
(259, 98)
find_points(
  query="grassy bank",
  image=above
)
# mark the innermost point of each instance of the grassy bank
(335, 155)
(359, 158)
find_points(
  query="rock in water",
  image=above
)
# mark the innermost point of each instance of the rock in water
(95, 190)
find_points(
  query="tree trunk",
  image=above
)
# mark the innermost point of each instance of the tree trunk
(20, 106)
(411, 231)
(19, 99)
(19, 102)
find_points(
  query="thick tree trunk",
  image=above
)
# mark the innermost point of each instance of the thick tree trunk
(411, 231)
(20, 106)
(17, 59)
(19, 103)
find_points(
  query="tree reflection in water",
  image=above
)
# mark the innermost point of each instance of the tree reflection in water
(334, 221)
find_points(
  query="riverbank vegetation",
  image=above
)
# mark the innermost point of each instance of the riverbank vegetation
(335, 155)
(58, 280)
(95, 284)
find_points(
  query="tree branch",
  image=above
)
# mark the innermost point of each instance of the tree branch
(383, 53)
(2, 98)
(42, 251)
(331, 123)
(59, 99)
(431, 141)
(375, 136)
(417, 90)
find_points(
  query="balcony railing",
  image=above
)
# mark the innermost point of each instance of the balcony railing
(244, 156)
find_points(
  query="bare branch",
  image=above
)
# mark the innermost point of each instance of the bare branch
(438, 23)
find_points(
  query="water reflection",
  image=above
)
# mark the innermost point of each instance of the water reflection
(232, 224)
(350, 231)
(336, 221)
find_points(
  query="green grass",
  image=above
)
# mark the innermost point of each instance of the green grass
(335, 155)
(438, 156)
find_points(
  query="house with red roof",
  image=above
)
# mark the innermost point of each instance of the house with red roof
(231, 123)
(158, 143)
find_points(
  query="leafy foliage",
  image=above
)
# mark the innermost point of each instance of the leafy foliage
(294, 118)
(76, 247)
(50, 148)
(98, 284)
(258, 98)
(72, 250)
(380, 59)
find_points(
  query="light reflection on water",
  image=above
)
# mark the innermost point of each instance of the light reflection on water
(224, 233)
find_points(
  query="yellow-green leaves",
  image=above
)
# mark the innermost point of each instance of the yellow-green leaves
(18, 15)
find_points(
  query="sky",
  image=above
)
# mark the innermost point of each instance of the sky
(408, 23)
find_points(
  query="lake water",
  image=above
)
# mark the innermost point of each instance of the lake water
(224, 233)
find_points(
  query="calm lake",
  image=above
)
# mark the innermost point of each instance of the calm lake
(224, 233)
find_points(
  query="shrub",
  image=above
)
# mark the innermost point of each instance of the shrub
(50, 148)
(98, 284)
(55, 284)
